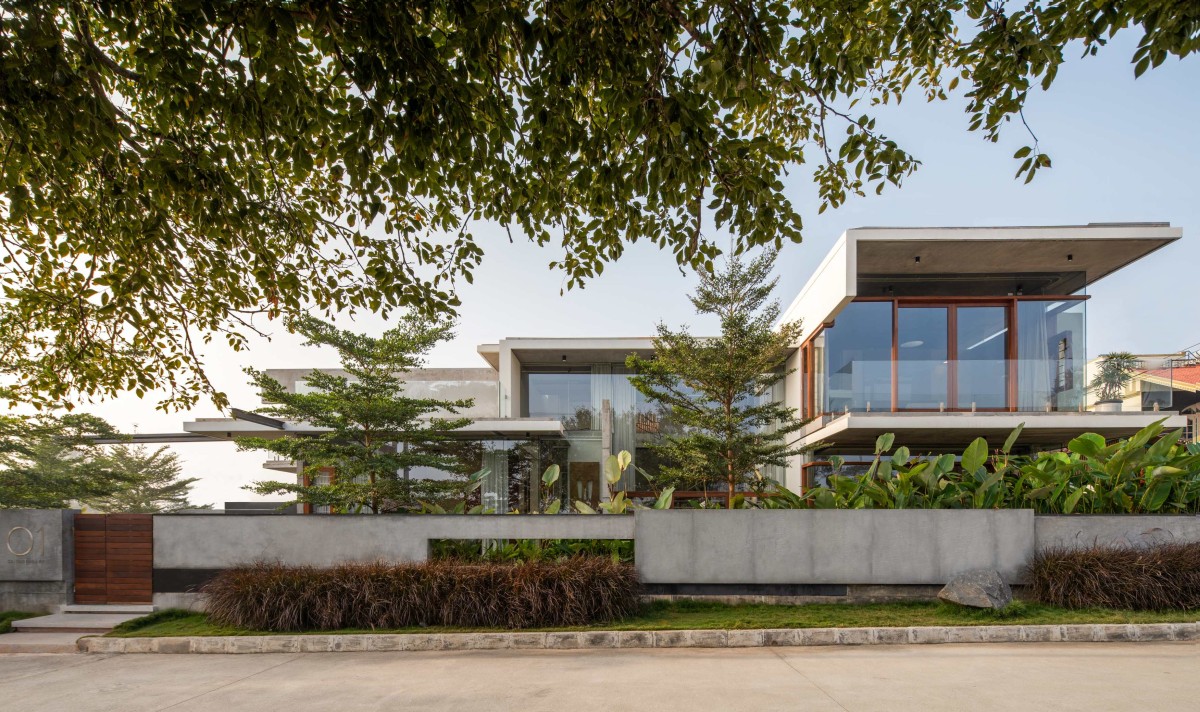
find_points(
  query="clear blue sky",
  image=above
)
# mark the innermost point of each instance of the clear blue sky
(1123, 150)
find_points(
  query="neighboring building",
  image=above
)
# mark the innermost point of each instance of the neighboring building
(938, 335)
(1165, 383)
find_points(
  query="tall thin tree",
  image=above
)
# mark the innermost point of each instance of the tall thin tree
(720, 391)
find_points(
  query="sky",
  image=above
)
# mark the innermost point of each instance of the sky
(1123, 150)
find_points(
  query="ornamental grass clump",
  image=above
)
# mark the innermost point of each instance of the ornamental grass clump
(572, 592)
(1154, 578)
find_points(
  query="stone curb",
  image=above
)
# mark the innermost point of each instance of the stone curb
(588, 640)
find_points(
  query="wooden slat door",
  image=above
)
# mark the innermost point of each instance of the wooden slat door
(114, 558)
(91, 570)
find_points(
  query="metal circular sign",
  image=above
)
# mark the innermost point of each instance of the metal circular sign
(8, 541)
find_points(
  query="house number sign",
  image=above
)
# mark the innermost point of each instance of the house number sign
(21, 541)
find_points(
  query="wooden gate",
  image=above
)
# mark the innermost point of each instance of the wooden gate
(114, 558)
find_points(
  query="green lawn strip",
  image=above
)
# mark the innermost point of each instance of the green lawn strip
(699, 615)
(7, 618)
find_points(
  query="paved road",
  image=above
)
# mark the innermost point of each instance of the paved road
(1085, 677)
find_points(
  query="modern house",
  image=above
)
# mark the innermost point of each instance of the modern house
(938, 335)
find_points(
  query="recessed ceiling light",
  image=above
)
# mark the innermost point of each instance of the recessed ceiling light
(912, 344)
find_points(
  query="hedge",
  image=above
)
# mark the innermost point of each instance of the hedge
(572, 592)
(1154, 578)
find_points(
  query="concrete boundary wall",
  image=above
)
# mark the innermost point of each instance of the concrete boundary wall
(824, 546)
(216, 541)
(1080, 530)
(37, 558)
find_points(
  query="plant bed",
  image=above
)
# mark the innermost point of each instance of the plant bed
(578, 591)
(1153, 578)
(702, 615)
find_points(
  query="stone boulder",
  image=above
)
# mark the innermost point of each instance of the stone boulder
(981, 588)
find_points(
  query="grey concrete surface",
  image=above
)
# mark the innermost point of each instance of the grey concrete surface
(57, 642)
(1077, 530)
(88, 622)
(1092, 678)
(197, 541)
(37, 550)
(830, 546)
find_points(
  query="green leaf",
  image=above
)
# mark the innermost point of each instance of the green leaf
(974, 456)
(550, 476)
(1089, 445)
(612, 470)
(884, 443)
(1073, 500)
(665, 498)
(624, 459)
(554, 507)
(1012, 439)
(583, 508)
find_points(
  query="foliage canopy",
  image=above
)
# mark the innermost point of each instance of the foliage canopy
(178, 170)
(49, 462)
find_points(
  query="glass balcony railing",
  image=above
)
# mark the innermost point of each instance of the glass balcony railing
(947, 385)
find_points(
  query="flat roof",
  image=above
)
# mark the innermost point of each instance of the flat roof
(1097, 250)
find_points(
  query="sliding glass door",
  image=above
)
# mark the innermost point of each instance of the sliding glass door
(952, 357)
(980, 364)
(922, 357)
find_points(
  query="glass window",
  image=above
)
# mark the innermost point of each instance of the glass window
(1050, 355)
(857, 359)
(564, 393)
(981, 349)
(922, 370)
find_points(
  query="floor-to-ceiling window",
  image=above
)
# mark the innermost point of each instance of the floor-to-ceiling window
(855, 359)
(1050, 354)
(980, 357)
(1015, 353)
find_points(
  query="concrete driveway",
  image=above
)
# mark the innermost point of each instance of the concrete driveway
(1056, 676)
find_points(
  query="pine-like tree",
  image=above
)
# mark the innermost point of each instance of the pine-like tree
(372, 432)
(49, 462)
(153, 482)
(718, 391)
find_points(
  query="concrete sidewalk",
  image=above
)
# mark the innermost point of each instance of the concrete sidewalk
(1018, 677)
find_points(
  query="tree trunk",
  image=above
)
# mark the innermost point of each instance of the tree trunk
(729, 471)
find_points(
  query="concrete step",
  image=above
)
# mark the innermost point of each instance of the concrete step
(57, 642)
(140, 609)
(73, 622)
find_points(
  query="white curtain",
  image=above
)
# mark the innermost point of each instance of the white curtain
(1035, 363)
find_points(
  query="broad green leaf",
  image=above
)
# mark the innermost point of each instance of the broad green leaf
(1089, 445)
(884, 443)
(583, 508)
(1012, 439)
(550, 476)
(974, 456)
(624, 459)
(612, 470)
(554, 507)
(665, 498)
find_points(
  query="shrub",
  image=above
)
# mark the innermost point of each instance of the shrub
(572, 592)
(1155, 578)
(1151, 472)
(474, 550)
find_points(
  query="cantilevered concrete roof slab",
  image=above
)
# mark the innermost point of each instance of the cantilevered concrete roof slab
(478, 429)
(1097, 250)
(1070, 257)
